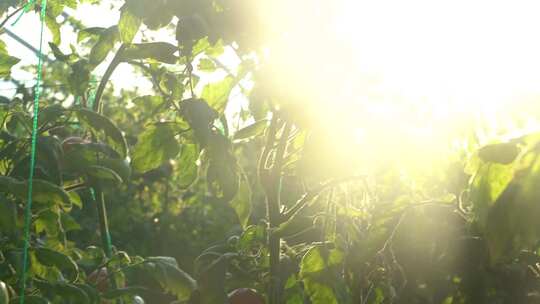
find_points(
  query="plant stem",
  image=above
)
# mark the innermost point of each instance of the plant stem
(108, 73)
(273, 203)
(103, 223)
(104, 231)
(75, 187)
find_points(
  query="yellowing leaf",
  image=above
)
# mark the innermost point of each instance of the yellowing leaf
(217, 94)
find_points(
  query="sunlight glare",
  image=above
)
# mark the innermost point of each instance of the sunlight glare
(411, 75)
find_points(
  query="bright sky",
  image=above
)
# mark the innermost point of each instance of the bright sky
(457, 56)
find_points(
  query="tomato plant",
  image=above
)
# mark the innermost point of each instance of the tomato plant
(269, 208)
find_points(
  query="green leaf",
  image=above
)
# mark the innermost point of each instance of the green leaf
(68, 222)
(503, 153)
(252, 130)
(4, 295)
(222, 179)
(8, 216)
(126, 291)
(171, 278)
(128, 25)
(104, 45)
(103, 175)
(43, 191)
(206, 65)
(120, 166)
(89, 32)
(251, 237)
(319, 293)
(49, 153)
(160, 51)
(101, 124)
(75, 199)
(119, 259)
(52, 258)
(242, 202)
(293, 291)
(56, 7)
(319, 259)
(79, 78)
(512, 221)
(54, 27)
(30, 300)
(58, 54)
(151, 104)
(200, 116)
(6, 61)
(487, 185)
(155, 145)
(91, 292)
(187, 165)
(50, 114)
(172, 84)
(217, 94)
(67, 293)
(319, 270)
(47, 221)
(78, 155)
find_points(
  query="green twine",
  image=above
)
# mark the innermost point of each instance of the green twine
(92, 94)
(28, 209)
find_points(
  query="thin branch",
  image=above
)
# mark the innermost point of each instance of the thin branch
(280, 151)
(10, 15)
(270, 137)
(311, 194)
(404, 212)
(393, 233)
(297, 234)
